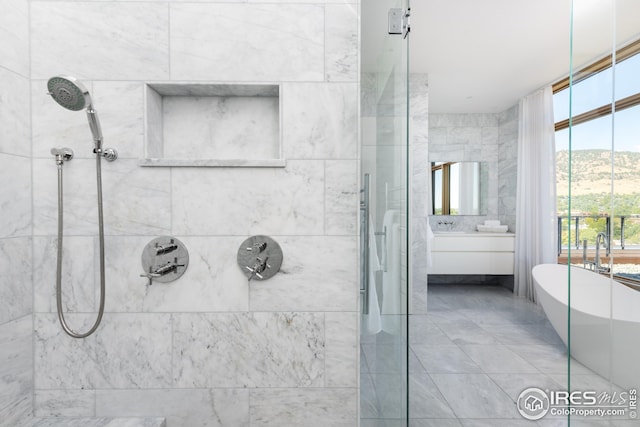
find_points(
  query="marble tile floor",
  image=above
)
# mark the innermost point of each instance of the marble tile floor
(469, 358)
(97, 422)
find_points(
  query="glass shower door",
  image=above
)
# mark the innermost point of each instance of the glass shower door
(603, 135)
(384, 272)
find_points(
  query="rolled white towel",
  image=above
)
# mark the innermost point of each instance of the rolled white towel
(493, 228)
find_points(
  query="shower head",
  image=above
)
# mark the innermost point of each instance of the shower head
(69, 92)
(72, 95)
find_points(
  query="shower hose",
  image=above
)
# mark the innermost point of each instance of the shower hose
(63, 322)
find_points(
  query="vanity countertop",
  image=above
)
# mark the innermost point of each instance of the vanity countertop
(472, 234)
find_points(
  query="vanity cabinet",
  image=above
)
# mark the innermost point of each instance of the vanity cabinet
(472, 253)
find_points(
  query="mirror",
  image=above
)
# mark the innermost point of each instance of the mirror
(459, 188)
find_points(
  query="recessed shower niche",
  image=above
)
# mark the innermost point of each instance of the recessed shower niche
(212, 124)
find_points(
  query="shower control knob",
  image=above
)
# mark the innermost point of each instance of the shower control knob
(164, 259)
(254, 272)
(258, 247)
(259, 257)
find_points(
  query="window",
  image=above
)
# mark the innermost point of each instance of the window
(605, 129)
(440, 172)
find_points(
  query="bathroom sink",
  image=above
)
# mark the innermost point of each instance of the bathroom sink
(449, 232)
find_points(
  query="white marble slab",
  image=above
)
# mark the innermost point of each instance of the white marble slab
(230, 124)
(16, 289)
(100, 40)
(120, 107)
(153, 143)
(445, 359)
(301, 1)
(64, 403)
(181, 407)
(513, 384)
(15, 132)
(214, 163)
(98, 422)
(14, 33)
(419, 97)
(212, 282)
(221, 127)
(16, 375)
(368, 100)
(468, 394)
(336, 407)
(80, 215)
(341, 361)
(507, 166)
(368, 399)
(341, 42)
(79, 273)
(247, 42)
(227, 89)
(320, 120)
(136, 201)
(317, 274)
(127, 351)
(249, 201)
(425, 400)
(341, 197)
(498, 359)
(249, 350)
(419, 189)
(15, 205)
(18, 414)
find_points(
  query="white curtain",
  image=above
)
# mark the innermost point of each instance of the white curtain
(536, 226)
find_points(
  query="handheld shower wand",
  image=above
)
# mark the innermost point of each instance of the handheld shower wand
(72, 95)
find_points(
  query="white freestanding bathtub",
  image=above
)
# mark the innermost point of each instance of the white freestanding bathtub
(605, 320)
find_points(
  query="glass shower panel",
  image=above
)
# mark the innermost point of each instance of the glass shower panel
(384, 130)
(605, 156)
(590, 146)
(625, 295)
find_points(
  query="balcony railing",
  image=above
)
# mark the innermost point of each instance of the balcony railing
(622, 231)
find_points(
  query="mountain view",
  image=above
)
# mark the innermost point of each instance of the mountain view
(591, 191)
(591, 172)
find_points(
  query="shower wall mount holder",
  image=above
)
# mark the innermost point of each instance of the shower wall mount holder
(164, 259)
(259, 257)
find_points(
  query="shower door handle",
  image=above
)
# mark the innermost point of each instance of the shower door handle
(364, 244)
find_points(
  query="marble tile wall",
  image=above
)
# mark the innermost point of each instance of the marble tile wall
(209, 349)
(16, 371)
(419, 189)
(15, 164)
(508, 166)
(479, 137)
(16, 289)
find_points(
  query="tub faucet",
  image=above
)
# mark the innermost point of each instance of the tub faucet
(585, 262)
(601, 237)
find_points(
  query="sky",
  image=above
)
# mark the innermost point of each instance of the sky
(597, 134)
(622, 131)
